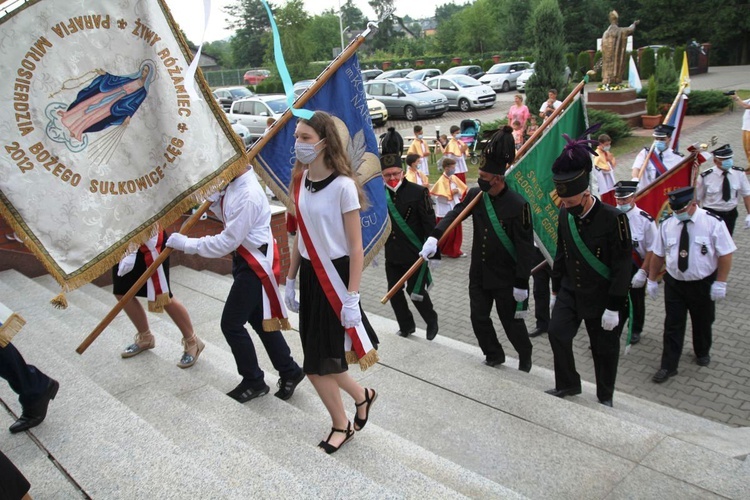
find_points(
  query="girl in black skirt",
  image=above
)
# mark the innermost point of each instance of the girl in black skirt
(124, 276)
(329, 203)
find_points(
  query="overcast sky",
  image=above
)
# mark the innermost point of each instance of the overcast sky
(189, 13)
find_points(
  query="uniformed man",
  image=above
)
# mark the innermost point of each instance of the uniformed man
(590, 276)
(412, 220)
(698, 251)
(501, 256)
(718, 189)
(643, 234)
(666, 158)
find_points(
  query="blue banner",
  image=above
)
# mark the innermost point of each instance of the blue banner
(342, 96)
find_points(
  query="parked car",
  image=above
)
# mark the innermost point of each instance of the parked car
(255, 76)
(472, 71)
(463, 92)
(424, 74)
(253, 112)
(503, 76)
(378, 111)
(370, 74)
(227, 95)
(243, 132)
(301, 86)
(394, 73)
(524, 77)
(408, 98)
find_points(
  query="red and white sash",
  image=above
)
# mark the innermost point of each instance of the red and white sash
(267, 267)
(157, 288)
(357, 344)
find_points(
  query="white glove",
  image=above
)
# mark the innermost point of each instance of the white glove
(429, 248)
(552, 301)
(126, 264)
(718, 290)
(177, 241)
(350, 313)
(290, 296)
(652, 288)
(520, 295)
(610, 319)
(521, 314)
(639, 279)
(747, 221)
(636, 179)
(434, 264)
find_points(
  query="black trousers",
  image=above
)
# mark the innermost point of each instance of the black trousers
(26, 380)
(541, 292)
(245, 305)
(605, 346)
(480, 303)
(393, 273)
(638, 301)
(729, 217)
(681, 298)
(13, 484)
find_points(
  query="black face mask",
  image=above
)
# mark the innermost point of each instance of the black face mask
(576, 210)
(484, 185)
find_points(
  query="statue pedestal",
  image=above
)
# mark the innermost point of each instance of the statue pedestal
(622, 102)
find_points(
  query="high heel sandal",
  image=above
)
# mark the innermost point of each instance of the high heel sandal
(359, 423)
(328, 447)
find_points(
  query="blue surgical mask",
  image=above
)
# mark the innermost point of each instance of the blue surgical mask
(683, 216)
(625, 208)
(449, 172)
(306, 152)
(420, 136)
(606, 148)
(727, 164)
(661, 146)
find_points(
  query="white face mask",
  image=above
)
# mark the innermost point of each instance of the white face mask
(625, 207)
(305, 152)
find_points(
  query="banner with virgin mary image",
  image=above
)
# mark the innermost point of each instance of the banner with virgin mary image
(103, 136)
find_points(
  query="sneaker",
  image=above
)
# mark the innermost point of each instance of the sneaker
(287, 386)
(244, 394)
(143, 342)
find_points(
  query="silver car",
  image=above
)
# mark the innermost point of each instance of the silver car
(463, 92)
(408, 98)
(254, 112)
(502, 77)
(424, 74)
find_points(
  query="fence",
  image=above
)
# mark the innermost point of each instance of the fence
(226, 77)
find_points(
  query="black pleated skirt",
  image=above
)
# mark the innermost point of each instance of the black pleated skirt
(122, 284)
(319, 326)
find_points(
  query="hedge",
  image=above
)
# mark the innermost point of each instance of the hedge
(612, 124)
(647, 63)
(701, 102)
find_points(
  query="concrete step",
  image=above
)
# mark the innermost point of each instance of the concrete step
(392, 461)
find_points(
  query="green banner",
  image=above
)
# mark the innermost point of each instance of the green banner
(532, 175)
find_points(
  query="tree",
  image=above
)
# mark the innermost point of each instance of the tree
(584, 21)
(478, 29)
(385, 35)
(352, 16)
(549, 52)
(292, 21)
(221, 50)
(445, 12)
(250, 20)
(514, 16)
(323, 35)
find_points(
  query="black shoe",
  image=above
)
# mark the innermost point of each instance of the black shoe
(287, 386)
(607, 402)
(34, 414)
(662, 375)
(370, 397)
(244, 394)
(432, 330)
(703, 360)
(635, 338)
(406, 333)
(537, 332)
(561, 393)
(328, 447)
(494, 362)
(524, 365)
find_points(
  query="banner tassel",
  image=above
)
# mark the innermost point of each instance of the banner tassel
(59, 302)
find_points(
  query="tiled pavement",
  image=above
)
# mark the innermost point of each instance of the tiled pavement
(720, 391)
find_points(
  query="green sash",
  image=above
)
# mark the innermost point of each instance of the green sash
(590, 258)
(521, 307)
(424, 278)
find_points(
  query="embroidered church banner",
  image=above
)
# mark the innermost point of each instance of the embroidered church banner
(100, 140)
(344, 98)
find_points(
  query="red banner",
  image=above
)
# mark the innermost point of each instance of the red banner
(653, 199)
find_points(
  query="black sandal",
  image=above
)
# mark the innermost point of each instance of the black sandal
(328, 447)
(359, 423)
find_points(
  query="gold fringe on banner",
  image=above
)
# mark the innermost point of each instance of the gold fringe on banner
(365, 361)
(10, 328)
(157, 306)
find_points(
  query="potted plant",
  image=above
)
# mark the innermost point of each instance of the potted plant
(652, 118)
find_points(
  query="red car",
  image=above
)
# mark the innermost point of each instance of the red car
(255, 76)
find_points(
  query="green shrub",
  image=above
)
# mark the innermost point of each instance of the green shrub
(583, 63)
(487, 64)
(571, 61)
(271, 85)
(664, 53)
(597, 59)
(677, 59)
(647, 63)
(666, 75)
(612, 124)
(651, 103)
(701, 102)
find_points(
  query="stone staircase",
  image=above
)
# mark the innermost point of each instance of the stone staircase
(445, 425)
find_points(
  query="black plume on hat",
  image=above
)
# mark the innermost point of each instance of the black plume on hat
(391, 142)
(499, 153)
(576, 154)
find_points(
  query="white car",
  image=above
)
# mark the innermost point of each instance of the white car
(524, 78)
(243, 132)
(378, 111)
(463, 92)
(254, 112)
(502, 77)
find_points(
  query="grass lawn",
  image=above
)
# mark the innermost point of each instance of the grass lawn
(628, 145)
